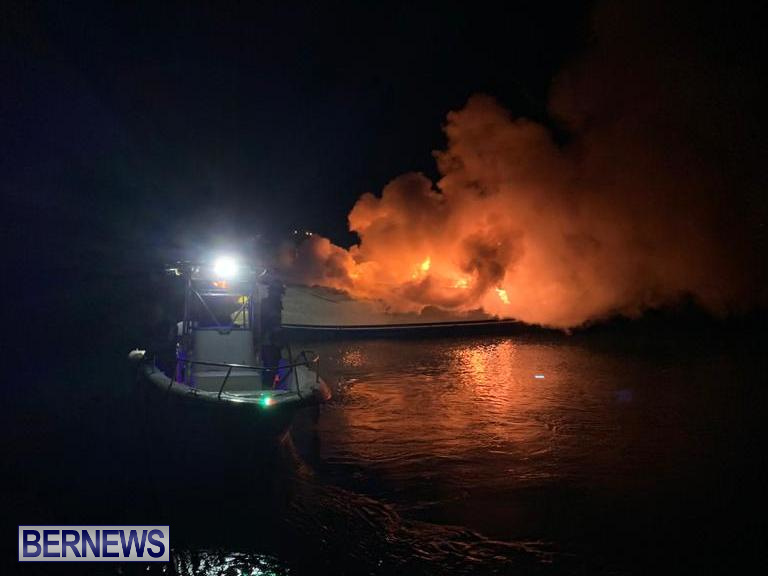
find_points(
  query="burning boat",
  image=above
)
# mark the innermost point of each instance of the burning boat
(311, 312)
(227, 372)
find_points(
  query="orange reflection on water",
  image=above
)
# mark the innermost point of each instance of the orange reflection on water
(352, 358)
(413, 400)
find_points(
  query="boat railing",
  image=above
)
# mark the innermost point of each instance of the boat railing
(310, 360)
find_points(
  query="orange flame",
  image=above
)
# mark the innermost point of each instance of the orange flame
(513, 209)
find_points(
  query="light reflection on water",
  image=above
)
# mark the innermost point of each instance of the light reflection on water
(462, 432)
(476, 407)
(458, 454)
(214, 563)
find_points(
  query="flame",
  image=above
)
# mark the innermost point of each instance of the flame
(421, 269)
(576, 230)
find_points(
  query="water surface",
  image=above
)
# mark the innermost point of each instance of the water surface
(600, 453)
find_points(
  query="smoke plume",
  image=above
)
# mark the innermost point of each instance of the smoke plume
(647, 202)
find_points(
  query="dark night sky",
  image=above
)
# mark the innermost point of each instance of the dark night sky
(155, 125)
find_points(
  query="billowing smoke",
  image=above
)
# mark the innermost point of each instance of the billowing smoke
(646, 202)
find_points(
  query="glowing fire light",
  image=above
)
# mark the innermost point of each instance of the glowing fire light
(422, 269)
(510, 207)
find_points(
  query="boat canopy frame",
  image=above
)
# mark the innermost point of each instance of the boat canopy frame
(201, 283)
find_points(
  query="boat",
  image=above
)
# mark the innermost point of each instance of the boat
(226, 378)
(316, 312)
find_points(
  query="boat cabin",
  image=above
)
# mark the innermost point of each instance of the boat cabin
(220, 334)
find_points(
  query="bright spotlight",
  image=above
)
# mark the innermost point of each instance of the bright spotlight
(225, 267)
